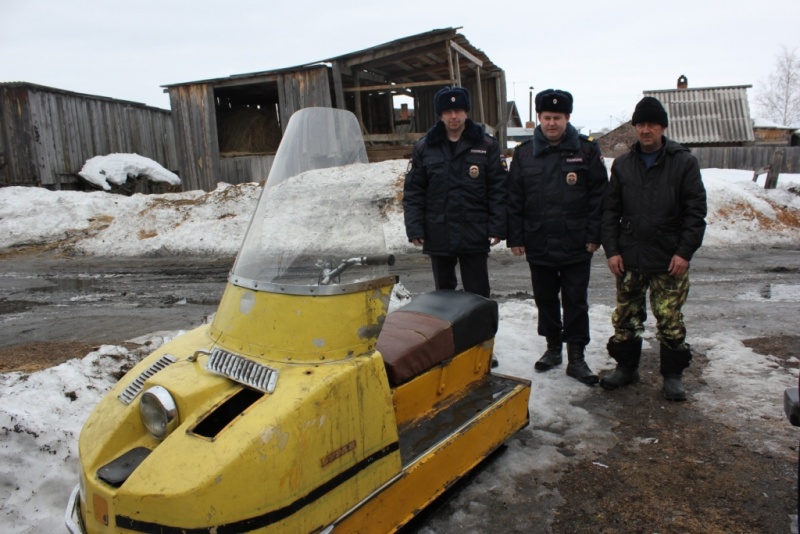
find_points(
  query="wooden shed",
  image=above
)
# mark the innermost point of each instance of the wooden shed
(47, 134)
(228, 129)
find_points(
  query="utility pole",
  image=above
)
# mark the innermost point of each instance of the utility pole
(530, 107)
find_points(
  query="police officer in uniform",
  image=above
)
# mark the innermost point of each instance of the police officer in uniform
(454, 196)
(555, 193)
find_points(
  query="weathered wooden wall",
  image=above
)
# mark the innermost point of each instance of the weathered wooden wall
(746, 158)
(194, 118)
(303, 89)
(195, 126)
(49, 134)
(255, 168)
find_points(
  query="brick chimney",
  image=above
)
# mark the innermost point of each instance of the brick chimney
(683, 83)
(404, 112)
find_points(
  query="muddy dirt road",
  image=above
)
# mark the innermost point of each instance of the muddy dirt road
(104, 300)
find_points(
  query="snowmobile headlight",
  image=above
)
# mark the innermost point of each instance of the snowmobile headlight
(158, 411)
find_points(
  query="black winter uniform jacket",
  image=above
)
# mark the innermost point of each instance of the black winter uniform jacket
(653, 214)
(455, 201)
(555, 197)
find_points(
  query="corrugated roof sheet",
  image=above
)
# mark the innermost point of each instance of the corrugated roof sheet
(707, 115)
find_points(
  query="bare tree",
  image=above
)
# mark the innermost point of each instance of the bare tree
(779, 98)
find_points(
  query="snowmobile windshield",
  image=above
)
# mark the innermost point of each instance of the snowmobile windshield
(316, 229)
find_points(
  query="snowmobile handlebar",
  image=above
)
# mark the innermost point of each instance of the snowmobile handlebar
(332, 275)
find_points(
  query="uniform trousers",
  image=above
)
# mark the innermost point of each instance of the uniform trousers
(474, 272)
(567, 285)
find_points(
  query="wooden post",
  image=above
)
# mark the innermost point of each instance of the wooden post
(760, 171)
(774, 169)
(359, 113)
(450, 60)
(480, 94)
(338, 90)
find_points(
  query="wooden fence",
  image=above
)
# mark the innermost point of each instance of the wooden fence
(747, 158)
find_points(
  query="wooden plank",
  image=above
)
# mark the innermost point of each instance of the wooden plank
(463, 51)
(393, 137)
(774, 169)
(338, 90)
(389, 87)
(759, 171)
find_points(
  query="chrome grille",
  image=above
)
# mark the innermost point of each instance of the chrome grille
(242, 370)
(135, 387)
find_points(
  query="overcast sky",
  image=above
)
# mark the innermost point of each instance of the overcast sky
(605, 53)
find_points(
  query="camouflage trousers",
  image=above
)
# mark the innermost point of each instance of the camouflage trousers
(667, 296)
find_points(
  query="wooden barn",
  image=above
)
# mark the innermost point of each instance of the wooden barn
(229, 128)
(47, 134)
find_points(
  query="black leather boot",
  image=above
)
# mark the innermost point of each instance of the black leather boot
(577, 367)
(551, 357)
(627, 354)
(673, 362)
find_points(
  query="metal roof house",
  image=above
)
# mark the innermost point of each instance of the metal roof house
(229, 128)
(702, 117)
(707, 116)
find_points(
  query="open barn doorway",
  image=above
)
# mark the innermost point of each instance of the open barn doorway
(248, 122)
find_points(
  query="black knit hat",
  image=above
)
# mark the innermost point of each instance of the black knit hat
(554, 100)
(451, 98)
(649, 109)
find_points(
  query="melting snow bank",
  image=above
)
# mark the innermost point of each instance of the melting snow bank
(214, 223)
(39, 451)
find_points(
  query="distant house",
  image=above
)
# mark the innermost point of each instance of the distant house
(516, 132)
(701, 117)
(229, 128)
(47, 134)
(768, 133)
(514, 120)
(708, 116)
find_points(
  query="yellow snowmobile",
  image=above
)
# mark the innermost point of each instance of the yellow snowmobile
(305, 406)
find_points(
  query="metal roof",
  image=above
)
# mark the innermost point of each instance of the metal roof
(708, 115)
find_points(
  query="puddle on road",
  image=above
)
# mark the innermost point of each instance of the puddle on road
(774, 293)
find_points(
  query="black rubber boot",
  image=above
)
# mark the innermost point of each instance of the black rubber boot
(551, 357)
(577, 367)
(619, 377)
(673, 362)
(627, 354)
(495, 363)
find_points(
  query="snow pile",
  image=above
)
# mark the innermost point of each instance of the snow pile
(214, 223)
(117, 168)
(740, 210)
(41, 427)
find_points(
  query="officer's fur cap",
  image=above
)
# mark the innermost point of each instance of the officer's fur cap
(554, 100)
(451, 98)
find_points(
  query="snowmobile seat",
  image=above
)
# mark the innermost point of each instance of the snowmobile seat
(432, 328)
